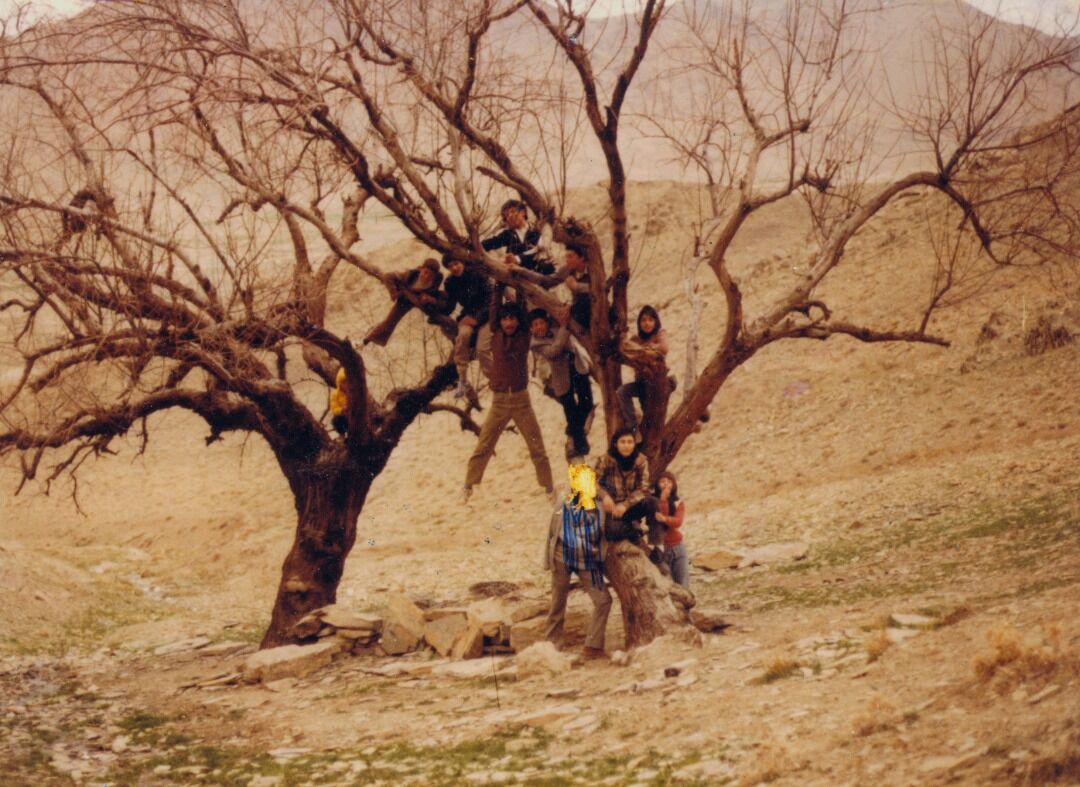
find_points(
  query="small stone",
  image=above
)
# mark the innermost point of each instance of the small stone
(519, 745)
(226, 648)
(120, 744)
(949, 763)
(562, 694)
(543, 716)
(542, 658)
(162, 769)
(525, 632)
(474, 668)
(1049, 691)
(905, 620)
(404, 614)
(708, 620)
(583, 724)
(896, 636)
(284, 684)
(397, 639)
(621, 658)
(181, 646)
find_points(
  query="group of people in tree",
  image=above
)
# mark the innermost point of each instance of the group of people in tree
(614, 499)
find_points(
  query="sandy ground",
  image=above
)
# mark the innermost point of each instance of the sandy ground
(941, 482)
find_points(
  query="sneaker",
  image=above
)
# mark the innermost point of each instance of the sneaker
(466, 493)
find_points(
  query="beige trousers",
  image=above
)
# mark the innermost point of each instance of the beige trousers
(560, 589)
(507, 407)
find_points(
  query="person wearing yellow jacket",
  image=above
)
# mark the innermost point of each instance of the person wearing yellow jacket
(338, 402)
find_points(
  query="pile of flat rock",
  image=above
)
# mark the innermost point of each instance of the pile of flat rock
(496, 626)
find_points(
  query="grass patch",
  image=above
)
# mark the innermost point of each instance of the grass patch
(778, 669)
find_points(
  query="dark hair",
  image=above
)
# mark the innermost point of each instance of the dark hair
(513, 203)
(449, 259)
(431, 264)
(539, 314)
(673, 498)
(578, 249)
(624, 462)
(510, 310)
(652, 313)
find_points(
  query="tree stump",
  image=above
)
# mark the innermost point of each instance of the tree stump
(651, 603)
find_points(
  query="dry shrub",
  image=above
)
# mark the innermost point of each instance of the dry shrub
(1046, 336)
(770, 763)
(877, 645)
(1018, 658)
(963, 612)
(876, 718)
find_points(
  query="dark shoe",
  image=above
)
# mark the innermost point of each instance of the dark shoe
(654, 555)
(593, 653)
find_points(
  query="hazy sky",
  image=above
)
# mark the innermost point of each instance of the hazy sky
(1047, 15)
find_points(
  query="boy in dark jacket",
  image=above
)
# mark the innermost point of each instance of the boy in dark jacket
(471, 291)
(519, 240)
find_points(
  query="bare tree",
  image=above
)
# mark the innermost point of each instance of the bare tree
(117, 259)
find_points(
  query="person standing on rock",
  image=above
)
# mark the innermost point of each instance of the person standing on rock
(575, 545)
(509, 382)
(670, 510)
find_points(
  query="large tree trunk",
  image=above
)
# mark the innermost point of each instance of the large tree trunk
(651, 603)
(329, 495)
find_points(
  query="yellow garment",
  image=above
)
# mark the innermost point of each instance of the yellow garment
(338, 400)
(583, 485)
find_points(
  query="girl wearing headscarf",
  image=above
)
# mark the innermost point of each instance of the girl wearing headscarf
(650, 334)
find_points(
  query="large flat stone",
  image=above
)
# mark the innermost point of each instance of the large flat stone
(342, 618)
(525, 633)
(783, 552)
(289, 661)
(542, 658)
(397, 639)
(402, 612)
(718, 561)
(470, 644)
(443, 632)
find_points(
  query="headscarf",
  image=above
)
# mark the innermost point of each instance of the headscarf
(652, 313)
(626, 463)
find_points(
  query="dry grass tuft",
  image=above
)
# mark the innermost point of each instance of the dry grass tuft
(877, 645)
(778, 669)
(1016, 658)
(877, 717)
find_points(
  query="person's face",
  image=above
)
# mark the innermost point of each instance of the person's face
(426, 278)
(574, 260)
(514, 218)
(457, 267)
(539, 327)
(647, 323)
(625, 444)
(509, 324)
(665, 485)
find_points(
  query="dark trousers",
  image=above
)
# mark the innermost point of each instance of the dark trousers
(622, 528)
(577, 403)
